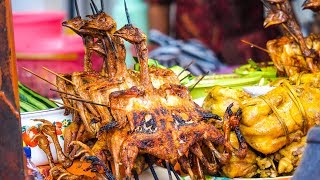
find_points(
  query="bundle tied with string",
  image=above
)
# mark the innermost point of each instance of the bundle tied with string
(274, 125)
(280, 117)
(274, 120)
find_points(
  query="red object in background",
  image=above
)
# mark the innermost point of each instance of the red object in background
(40, 42)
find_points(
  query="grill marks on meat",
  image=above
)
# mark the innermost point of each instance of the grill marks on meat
(164, 124)
(146, 112)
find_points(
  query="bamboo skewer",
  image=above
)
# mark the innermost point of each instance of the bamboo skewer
(58, 75)
(95, 6)
(77, 8)
(76, 99)
(65, 93)
(185, 68)
(102, 6)
(199, 80)
(256, 46)
(64, 105)
(39, 76)
(291, 34)
(130, 24)
(86, 101)
(93, 11)
(263, 49)
(185, 77)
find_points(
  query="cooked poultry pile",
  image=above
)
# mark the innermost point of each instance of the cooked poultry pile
(293, 53)
(274, 126)
(130, 119)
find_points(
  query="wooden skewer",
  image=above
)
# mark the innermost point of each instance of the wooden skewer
(154, 174)
(291, 34)
(185, 77)
(93, 11)
(186, 67)
(263, 49)
(169, 171)
(64, 105)
(86, 101)
(95, 7)
(199, 80)
(256, 46)
(77, 8)
(58, 75)
(65, 93)
(102, 6)
(39, 76)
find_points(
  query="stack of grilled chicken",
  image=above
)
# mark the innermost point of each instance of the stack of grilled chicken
(134, 119)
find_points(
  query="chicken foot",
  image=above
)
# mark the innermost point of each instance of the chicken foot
(211, 167)
(231, 122)
(44, 145)
(49, 129)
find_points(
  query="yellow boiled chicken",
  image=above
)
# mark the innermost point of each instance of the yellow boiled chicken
(274, 124)
(290, 156)
(280, 117)
(219, 98)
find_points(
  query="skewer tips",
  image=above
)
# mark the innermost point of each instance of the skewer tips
(94, 6)
(127, 13)
(102, 6)
(77, 8)
(92, 9)
(50, 71)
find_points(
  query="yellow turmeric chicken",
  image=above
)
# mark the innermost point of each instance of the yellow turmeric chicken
(274, 125)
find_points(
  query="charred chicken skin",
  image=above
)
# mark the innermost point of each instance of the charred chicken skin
(132, 115)
(164, 122)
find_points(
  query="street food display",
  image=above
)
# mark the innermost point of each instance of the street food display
(126, 120)
(133, 118)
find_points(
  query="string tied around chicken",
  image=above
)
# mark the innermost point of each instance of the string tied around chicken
(294, 97)
(279, 118)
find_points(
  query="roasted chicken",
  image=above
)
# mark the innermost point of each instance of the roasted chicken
(292, 53)
(134, 116)
(274, 125)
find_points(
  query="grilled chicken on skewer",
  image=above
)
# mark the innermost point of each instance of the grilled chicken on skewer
(280, 12)
(137, 114)
(164, 122)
